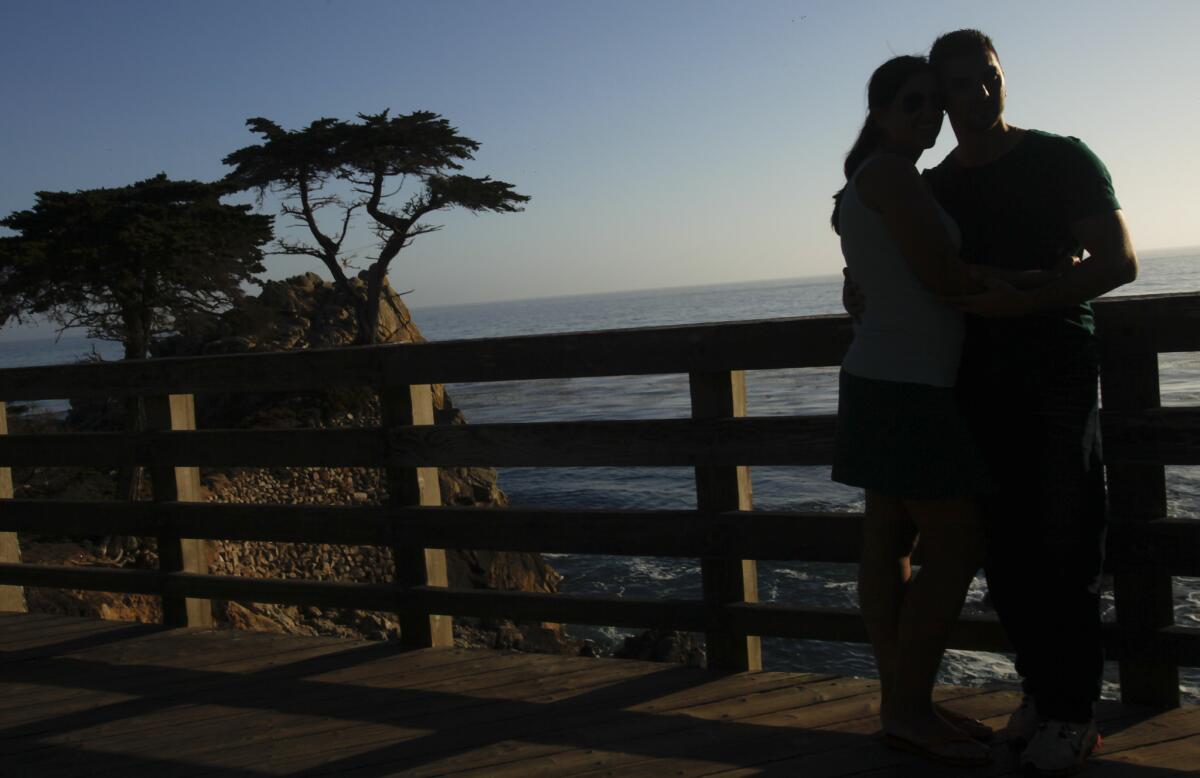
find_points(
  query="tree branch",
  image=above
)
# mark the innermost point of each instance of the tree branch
(310, 218)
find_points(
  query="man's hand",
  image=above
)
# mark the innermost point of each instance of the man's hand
(1022, 279)
(998, 298)
(853, 299)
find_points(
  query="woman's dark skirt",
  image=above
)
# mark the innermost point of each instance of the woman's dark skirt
(904, 440)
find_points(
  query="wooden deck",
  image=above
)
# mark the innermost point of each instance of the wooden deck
(96, 698)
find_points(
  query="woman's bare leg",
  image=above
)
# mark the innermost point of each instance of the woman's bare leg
(883, 575)
(951, 545)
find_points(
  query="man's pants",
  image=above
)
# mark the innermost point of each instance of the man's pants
(1045, 524)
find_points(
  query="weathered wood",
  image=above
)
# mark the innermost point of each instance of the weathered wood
(775, 440)
(743, 345)
(797, 440)
(12, 598)
(650, 730)
(1179, 644)
(1154, 437)
(1140, 437)
(1169, 546)
(99, 579)
(813, 341)
(83, 517)
(1165, 436)
(717, 396)
(415, 564)
(972, 633)
(1167, 322)
(263, 448)
(178, 553)
(182, 703)
(148, 663)
(830, 723)
(1137, 495)
(339, 702)
(844, 624)
(687, 615)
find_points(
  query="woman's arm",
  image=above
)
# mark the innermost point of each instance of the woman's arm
(891, 186)
(1022, 279)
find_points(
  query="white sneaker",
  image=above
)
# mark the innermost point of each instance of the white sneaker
(1022, 724)
(1061, 747)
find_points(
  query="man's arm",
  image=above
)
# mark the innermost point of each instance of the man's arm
(1111, 262)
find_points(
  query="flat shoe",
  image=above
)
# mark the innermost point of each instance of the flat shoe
(929, 750)
(972, 728)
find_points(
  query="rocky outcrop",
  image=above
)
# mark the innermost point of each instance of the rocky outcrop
(664, 646)
(300, 313)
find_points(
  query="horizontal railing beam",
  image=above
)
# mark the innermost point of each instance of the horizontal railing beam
(96, 579)
(1168, 545)
(1161, 436)
(782, 535)
(352, 447)
(1164, 435)
(844, 624)
(1173, 322)
(642, 351)
(1180, 644)
(971, 633)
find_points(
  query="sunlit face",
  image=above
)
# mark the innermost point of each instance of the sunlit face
(974, 89)
(912, 121)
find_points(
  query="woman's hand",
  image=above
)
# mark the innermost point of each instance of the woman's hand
(853, 299)
(998, 298)
(1025, 279)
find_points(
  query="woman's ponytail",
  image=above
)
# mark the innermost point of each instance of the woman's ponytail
(886, 82)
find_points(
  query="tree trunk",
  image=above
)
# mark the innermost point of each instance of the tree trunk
(130, 478)
(137, 344)
(371, 304)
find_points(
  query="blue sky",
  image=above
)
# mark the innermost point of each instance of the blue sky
(664, 142)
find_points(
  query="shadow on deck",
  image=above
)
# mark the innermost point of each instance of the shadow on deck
(87, 697)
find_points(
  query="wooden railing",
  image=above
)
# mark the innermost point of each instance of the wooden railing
(1146, 547)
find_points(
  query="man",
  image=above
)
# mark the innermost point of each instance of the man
(1025, 202)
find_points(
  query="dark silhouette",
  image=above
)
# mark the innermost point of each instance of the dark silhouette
(374, 158)
(128, 263)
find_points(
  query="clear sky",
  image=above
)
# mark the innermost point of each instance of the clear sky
(664, 142)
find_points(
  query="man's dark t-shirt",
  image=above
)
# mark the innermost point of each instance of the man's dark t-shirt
(1016, 213)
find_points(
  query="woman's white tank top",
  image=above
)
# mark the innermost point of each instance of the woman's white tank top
(907, 333)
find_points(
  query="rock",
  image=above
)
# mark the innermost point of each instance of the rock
(300, 313)
(664, 646)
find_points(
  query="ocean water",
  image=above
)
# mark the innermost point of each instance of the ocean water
(769, 392)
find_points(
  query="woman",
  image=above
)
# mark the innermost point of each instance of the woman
(900, 435)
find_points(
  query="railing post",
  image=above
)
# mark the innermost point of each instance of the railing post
(719, 395)
(1137, 494)
(405, 405)
(177, 412)
(12, 598)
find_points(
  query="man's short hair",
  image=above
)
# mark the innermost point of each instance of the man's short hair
(959, 43)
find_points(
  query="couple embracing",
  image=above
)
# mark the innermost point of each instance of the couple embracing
(968, 406)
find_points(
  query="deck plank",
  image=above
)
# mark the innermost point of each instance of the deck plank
(452, 710)
(90, 698)
(553, 723)
(157, 665)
